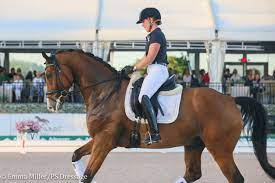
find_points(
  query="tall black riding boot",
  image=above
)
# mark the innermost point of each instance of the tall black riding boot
(152, 121)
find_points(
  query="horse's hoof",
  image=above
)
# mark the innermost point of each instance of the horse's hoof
(74, 157)
(181, 180)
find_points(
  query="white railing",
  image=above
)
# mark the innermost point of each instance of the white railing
(120, 45)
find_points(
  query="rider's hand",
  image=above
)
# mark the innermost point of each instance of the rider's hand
(128, 70)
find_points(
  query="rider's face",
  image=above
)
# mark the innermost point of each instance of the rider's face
(146, 24)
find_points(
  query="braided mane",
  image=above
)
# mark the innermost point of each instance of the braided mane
(98, 59)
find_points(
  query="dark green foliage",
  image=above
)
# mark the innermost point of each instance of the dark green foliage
(177, 65)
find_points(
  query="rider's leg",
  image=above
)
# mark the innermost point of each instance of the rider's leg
(156, 76)
(152, 120)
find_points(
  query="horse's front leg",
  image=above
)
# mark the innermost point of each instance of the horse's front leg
(83, 151)
(103, 144)
(78, 154)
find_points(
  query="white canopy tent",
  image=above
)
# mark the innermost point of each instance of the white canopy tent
(212, 21)
(246, 20)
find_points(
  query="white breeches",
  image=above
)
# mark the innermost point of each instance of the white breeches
(157, 74)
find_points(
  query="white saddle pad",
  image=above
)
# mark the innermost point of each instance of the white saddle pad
(168, 100)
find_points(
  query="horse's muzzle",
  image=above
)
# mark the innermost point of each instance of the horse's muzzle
(53, 105)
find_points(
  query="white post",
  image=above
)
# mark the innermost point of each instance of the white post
(111, 61)
(105, 51)
(101, 49)
(207, 48)
(216, 64)
(95, 48)
(2, 59)
(97, 44)
(85, 46)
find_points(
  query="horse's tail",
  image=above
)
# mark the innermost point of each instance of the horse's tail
(254, 116)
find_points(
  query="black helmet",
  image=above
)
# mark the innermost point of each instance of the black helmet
(149, 12)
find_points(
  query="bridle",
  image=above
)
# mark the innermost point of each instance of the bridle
(57, 71)
(63, 93)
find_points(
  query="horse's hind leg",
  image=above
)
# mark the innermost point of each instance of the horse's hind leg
(227, 165)
(192, 159)
(82, 151)
(221, 147)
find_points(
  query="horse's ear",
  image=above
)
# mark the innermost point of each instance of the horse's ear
(45, 55)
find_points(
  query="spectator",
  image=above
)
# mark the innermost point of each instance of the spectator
(34, 73)
(29, 76)
(19, 73)
(186, 76)
(226, 75)
(194, 79)
(3, 75)
(204, 78)
(10, 75)
(257, 85)
(250, 81)
(235, 76)
(249, 78)
(37, 88)
(27, 88)
(17, 87)
(225, 79)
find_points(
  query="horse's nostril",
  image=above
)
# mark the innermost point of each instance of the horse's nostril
(50, 107)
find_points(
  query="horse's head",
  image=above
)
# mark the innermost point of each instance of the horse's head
(58, 81)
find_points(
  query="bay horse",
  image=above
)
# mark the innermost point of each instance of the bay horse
(207, 118)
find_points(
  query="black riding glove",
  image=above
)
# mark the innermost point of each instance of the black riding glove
(128, 70)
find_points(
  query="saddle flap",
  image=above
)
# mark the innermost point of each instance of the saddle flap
(135, 105)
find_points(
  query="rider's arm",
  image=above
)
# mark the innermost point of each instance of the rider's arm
(152, 53)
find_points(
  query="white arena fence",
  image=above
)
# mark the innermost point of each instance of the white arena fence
(67, 132)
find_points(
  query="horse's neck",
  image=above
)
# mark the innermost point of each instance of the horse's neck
(88, 74)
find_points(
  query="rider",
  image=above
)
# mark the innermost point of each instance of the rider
(155, 59)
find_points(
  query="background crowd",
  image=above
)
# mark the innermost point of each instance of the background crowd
(191, 79)
(29, 88)
(252, 79)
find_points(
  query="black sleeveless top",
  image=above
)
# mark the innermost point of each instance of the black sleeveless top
(157, 36)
